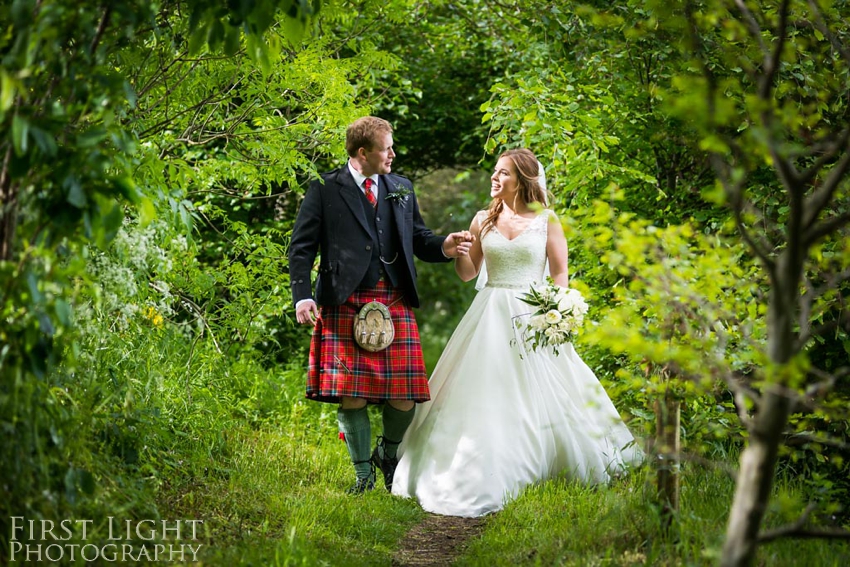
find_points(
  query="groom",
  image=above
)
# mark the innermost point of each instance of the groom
(364, 222)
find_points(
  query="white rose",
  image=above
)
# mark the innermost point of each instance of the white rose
(579, 305)
(561, 292)
(537, 322)
(553, 317)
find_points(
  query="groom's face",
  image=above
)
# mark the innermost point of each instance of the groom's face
(378, 159)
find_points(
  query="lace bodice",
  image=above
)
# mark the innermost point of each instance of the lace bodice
(519, 262)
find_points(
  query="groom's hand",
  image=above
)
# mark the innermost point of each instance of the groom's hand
(306, 312)
(457, 244)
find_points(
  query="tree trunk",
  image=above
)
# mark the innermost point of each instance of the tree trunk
(755, 480)
(8, 209)
(758, 461)
(667, 418)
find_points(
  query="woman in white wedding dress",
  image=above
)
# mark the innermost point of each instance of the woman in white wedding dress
(498, 422)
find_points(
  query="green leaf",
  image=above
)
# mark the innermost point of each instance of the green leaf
(130, 93)
(7, 91)
(44, 141)
(64, 312)
(147, 211)
(215, 34)
(76, 196)
(20, 133)
(713, 143)
(232, 40)
(127, 188)
(293, 30)
(197, 40)
(92, 137)
(35, 292)
(110, 223)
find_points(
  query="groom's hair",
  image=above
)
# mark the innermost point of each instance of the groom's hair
(361, 133)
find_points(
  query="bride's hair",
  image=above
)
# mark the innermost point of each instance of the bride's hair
(529, 174)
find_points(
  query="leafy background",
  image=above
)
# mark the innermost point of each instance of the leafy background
(154, 157)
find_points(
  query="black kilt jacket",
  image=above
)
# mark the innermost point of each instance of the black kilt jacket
(334, 223)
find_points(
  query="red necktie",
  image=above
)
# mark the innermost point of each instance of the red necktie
(367, 185)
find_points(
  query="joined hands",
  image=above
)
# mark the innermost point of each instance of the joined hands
(457, 244)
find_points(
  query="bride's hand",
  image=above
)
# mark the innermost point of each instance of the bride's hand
(458, 244)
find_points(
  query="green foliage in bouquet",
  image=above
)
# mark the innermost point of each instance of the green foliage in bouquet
(560, 313)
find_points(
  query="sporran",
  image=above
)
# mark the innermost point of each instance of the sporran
(373, 327)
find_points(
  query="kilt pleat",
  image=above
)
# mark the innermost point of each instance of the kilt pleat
(339, 367)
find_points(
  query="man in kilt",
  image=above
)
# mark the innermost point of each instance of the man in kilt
(364, 223)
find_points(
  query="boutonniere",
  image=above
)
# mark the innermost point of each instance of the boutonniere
(400, 194)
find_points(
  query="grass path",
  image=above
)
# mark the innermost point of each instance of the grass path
(437, 541)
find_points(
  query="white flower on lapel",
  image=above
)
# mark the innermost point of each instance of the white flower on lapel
(399, 194)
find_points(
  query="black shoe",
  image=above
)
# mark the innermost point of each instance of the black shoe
(363, 484)
(387, 465)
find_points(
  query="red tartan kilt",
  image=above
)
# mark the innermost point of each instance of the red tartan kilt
(338, 367)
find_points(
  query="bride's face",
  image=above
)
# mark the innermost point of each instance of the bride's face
(504, 182)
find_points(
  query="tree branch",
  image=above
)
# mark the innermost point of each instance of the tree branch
(798, 439)
(825, 227)
(805, 304)
(194, 308)
(771, 59)
(684, 456)
(101, 28)
(818, 390)
(166, 96)
(827, 149)
(155, 128)
(843, 320)
(803, 533)
(833, 282)
(821, 198)
(741, 392)
(734, 192)
(776, 57)
(8, 207)
(161, 72)
(824, 29)
(798, 531)
(752, 25)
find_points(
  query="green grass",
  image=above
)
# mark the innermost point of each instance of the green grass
(565, 523)
(283, 502)
(173, 429)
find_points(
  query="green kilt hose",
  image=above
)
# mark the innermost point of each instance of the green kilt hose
(339, 367)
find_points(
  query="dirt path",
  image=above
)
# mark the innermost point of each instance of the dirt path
(437, 541)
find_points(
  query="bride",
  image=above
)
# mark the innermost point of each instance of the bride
(497, 421)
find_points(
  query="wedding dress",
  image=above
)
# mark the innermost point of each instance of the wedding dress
(498, 422)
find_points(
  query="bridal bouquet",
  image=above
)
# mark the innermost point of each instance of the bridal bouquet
(560, 312)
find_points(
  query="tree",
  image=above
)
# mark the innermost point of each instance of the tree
(771, 89)
(772, 105)
(69, 168)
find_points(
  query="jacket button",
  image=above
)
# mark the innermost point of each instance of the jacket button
(378, 219)
(368, 248)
